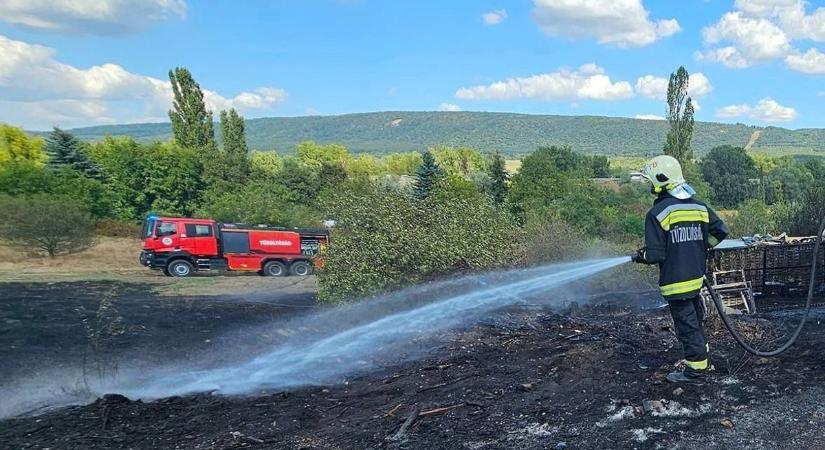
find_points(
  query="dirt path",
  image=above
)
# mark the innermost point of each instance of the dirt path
(754, 137)
(524, 379)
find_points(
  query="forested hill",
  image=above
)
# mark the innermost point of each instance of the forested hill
(512, 134)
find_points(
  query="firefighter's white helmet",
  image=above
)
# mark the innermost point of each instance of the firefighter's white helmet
(664, 172)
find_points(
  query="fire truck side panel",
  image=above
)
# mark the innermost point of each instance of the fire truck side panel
(274, 242)
(244, 262)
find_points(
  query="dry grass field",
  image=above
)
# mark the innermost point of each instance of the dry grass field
(109, 257)
(116, 259)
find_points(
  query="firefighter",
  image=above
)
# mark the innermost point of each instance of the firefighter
(677, 230)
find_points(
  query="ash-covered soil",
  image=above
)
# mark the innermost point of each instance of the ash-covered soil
(525, 379)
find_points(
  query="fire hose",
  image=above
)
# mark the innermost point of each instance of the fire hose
(811, 287)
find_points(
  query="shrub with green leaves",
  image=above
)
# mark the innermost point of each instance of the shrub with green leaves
(753, 217)
(44, 224)
(385, 240)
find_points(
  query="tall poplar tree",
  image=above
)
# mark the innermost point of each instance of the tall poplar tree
(679, 116)
(232, 130)
(235, 153)
(191, 121)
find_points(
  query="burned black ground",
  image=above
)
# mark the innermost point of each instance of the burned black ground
(527, 379)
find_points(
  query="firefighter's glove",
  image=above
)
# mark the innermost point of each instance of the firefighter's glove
(640, 256)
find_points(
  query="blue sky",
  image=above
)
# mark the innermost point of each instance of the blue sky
(87, 62)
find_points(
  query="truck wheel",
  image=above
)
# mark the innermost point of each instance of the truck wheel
(179, 268)
(274, 269)
(300, 268)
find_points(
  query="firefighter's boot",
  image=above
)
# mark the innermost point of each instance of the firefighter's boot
(688, 375)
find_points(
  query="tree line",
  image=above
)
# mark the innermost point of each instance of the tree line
(400, 218)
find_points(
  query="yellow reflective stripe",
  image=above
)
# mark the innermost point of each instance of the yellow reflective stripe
(697, 365)
(684, 216)
(682, 287)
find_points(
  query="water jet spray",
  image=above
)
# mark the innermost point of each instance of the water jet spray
(328, 359)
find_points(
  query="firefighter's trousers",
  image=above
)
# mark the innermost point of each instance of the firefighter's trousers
(688, 316)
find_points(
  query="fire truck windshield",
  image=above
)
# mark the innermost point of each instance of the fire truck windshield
(149, 226)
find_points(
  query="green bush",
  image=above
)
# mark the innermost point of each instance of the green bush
(753, 217)
(44, 224)
(384, 240)
(549, 239)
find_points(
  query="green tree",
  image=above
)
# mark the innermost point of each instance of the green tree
(299, 180)
(679, 116)
(173, 179)
(802, 217)
(330, 176)
(17, 147)
(459, 160)
(546, 176)
(499, 177)
(47, 224)
(315, 155)
(729, 171)
(260, 201)
(426, 176)
(235, 150)
(227, 168)
(123, 164)
(363, 165)
(402, 163)
(753, 217)
(29, 179)
(264, 165)
(233, 133)
(191, 121)
(600, 165)
(787, 183)
(66, 151)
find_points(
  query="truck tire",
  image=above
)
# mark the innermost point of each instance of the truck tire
(180, 268)
(301, 268)
(274, 269)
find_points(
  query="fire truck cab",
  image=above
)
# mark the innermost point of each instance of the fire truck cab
(180, 246)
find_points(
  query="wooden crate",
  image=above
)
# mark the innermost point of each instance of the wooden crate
(774, 269)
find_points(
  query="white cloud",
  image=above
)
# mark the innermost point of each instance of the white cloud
(790, 15)
(729, 56)
(754, 40)
(651, 86)
(649, 117)
(494, 17)
(588, 82)
(39, 91)
(105, 17)
(449, 107)
(759, 31)
(654, 87)
(811, 62)
(623, 23)
(767, 110)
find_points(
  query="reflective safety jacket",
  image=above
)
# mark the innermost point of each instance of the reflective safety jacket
(676, 237)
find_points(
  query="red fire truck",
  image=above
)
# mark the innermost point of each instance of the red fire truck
(181, 246)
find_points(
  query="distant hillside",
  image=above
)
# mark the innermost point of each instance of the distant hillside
(512, 134)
